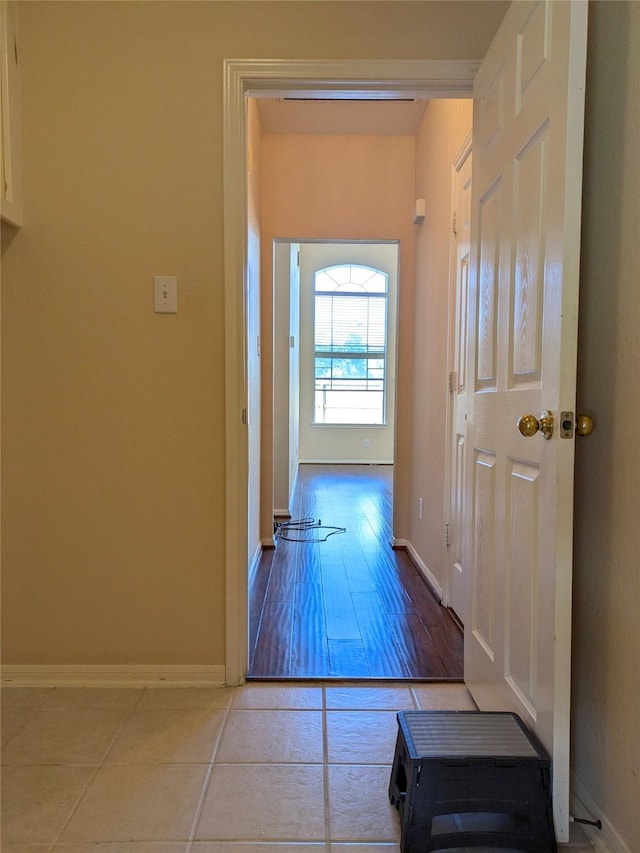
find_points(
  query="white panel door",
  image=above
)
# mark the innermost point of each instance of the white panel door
(523, 285)
(458, 586)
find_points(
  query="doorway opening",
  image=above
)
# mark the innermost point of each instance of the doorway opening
(380, 168)
(334, 357)
(334, 599)
(361, 79)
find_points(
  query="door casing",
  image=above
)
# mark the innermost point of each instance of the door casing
(281, 78)
(455, 592)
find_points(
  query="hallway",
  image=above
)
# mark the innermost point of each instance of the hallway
(350, 606)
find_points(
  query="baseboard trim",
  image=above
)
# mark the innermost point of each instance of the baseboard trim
(112, 676)
(255, 559)
(346, 461)
(424, 570)
(605, 840)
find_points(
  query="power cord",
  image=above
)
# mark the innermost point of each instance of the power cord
(304, 525)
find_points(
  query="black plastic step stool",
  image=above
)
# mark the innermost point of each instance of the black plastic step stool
(470, 779)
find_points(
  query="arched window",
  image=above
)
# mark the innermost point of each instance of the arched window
(350, 334)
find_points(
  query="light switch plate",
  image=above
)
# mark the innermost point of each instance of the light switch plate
(165, 294)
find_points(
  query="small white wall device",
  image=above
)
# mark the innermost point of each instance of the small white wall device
(165, 294)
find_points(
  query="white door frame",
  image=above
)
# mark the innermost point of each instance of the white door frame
(279, 78)
(459, 160)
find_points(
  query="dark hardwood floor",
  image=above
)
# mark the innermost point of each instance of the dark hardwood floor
(349, 607)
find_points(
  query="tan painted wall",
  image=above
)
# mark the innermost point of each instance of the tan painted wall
(113, 417)
(442, 131)
(606, 685)
(340, 188)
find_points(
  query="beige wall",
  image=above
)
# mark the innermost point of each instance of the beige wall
(606, 687)
(339, 188)
(444, 128)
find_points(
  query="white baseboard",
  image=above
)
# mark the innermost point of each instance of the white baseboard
(255, 560)
(112, 676)
(605, 840)
(346, 461)
(428, 575)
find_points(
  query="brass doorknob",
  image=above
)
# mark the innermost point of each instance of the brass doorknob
(529, 425)
(584, 425)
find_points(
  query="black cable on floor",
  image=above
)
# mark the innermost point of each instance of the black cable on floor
(305, 524)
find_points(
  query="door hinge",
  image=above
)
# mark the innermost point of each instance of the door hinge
(447, 540)
(244, 417)
(453, 225)
(453, 381)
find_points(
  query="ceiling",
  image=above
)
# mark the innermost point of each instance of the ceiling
(341, 117)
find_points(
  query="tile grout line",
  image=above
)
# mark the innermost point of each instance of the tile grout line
(98, 767)
(325, 772)
(28, 709)
(188, 841)
(28, 714)
(207, 778)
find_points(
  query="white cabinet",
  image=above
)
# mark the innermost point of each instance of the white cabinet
(10, 176)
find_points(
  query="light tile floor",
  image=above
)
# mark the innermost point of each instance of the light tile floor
(255, 769)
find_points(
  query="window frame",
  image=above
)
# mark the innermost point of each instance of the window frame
(353, 289)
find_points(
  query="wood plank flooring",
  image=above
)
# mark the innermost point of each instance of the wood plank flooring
(349, 607)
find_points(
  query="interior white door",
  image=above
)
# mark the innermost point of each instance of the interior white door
(458, 581)
(523, 285)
